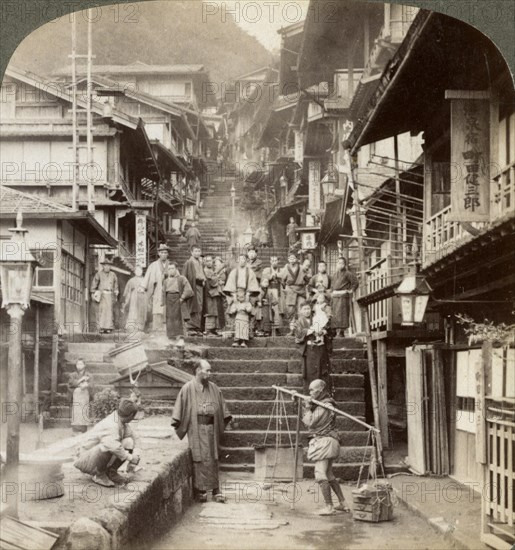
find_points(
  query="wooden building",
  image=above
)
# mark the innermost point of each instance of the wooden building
(465, 107)
(60, 239)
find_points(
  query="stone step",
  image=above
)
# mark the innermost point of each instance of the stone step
(237, 406)
(249, 438)
(245, 455)
(286, 380)
(278, 342)
(344, 472)
(280, 366)
(244, 422)
(253, 353)
(268, 394)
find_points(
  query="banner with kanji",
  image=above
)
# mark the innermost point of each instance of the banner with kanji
(470, 159)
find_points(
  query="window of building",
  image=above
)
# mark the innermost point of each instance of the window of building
(187, 89)
(72, 278)
(44, 272)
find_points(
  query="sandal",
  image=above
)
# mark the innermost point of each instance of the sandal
(327, 511)
(342, 507)
(220, 498)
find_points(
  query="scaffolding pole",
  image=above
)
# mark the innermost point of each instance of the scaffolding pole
(366, 319)
(89, 130)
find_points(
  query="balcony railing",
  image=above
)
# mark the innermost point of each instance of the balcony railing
(382, 274)
(442, 236)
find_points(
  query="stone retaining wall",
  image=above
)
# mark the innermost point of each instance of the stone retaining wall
(158, 500)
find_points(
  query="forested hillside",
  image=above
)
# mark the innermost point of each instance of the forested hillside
(164, 32)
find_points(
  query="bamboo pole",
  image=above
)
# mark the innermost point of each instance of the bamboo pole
(296, 456)
(366, 320)
(36, 363)
(294, 393)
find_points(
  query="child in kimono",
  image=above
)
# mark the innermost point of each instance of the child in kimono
(241, 310)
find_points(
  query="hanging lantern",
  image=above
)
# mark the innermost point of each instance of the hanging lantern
(16, 267)
(330, 183)
(414, 292)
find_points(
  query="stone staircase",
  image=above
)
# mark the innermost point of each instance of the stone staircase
(214, 220)
(246, 376)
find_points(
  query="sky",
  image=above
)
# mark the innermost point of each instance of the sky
(261, 18)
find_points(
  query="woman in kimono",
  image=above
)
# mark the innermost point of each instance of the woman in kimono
(81, 390)
(135, 303)
(177, 292)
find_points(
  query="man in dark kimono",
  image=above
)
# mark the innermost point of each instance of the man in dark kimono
(273, 274)
(320, 282)
(200, 412)
(343, 284)
(315, 352)
(257, 267)
(176, 293)
(194, 272)
(213, 298)
(295, 279)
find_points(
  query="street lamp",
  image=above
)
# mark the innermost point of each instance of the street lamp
(330, 182)
(16, 267)
(414, 292)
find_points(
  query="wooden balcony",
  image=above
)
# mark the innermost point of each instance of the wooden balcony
(381, 279)
(442, 236)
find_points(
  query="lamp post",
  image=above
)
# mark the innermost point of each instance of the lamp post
(16, 266)
(414, 292)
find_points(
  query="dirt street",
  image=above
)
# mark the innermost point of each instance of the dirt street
(295, 529)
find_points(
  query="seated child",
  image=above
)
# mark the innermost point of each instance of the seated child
(241, 310)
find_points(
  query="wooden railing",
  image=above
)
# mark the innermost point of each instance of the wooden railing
(379, 276)
(498, 506)
(442, 236)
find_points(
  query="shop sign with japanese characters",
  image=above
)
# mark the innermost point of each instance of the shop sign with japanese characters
(314, 186)
(141, 240)
(470, 157)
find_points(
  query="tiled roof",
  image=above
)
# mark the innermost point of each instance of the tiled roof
(11, 201)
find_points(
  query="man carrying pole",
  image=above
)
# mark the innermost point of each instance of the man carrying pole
(324, 446)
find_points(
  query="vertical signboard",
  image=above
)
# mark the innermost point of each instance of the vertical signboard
(141, 240)
(470, 156)
(299, 147)
(314, 186)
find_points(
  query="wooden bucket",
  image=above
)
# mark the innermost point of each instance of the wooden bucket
(273, 463)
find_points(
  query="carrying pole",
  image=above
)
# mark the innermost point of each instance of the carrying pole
(325, 406)
(296, 457)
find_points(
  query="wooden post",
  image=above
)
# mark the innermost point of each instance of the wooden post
(14, 404)
(366, 320)
(36, 363)
(382, 391)
(296, 457)
(55, 352)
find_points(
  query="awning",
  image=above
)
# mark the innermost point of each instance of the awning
(161, 150)
(335, 221)
(417, 77)
(286, 208)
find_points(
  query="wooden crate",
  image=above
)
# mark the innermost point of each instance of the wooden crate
(273, 463)
(373, 502)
